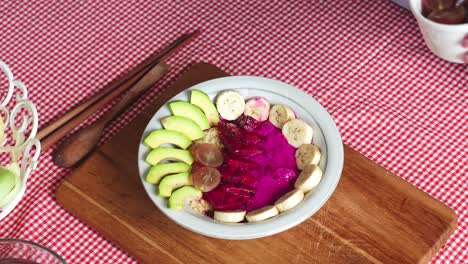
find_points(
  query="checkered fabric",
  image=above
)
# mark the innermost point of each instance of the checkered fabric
(364, 61)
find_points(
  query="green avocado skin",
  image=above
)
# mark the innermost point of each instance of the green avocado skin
(7, 182)
(203, 101)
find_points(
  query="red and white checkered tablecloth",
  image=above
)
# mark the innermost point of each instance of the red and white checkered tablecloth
(364, 61)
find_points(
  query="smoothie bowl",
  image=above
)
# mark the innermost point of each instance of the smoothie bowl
(240, 157)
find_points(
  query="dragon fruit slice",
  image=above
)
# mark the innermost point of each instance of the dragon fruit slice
(248, 123)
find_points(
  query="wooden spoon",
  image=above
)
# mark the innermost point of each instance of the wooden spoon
(82, 142)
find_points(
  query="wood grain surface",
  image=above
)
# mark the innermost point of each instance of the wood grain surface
(373, 217)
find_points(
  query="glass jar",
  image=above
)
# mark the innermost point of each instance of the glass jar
(16, 251)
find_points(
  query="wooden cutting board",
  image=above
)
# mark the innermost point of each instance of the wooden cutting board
(373, 217)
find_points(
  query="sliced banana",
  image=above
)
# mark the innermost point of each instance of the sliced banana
(230, 104)
(297, 132)
(289, 200)
(307, 154)
(309, 178)
(258, 108)
(280, 114)
(229, 216)
(261, 214)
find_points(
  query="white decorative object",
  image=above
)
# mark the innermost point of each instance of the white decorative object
(19, 141)
(443, 40)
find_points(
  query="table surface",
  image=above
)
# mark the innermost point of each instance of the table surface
(364, 61)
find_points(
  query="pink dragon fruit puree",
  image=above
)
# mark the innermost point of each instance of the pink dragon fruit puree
(259, 166)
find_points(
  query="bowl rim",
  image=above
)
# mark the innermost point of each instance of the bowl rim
(21, 241)
(303, 211)
(416, 9)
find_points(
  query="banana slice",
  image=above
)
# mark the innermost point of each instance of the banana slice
(289, 200)
(230, 104)
(280, 114)
(229, 216)
(297, 132)
(258, 108)
(261, 214)
(309, 178)
(307, 154)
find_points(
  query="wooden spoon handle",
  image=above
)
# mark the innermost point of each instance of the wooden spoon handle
(112, 89)
(134, 92)
(62, 126)
(116, 87)
(74, 122)
(83, 141)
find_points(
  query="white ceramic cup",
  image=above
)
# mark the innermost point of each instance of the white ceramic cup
(443, 40)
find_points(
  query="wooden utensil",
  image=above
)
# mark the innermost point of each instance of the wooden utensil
(374, 216)
(83, 141)
(119, 85)
(66, 123)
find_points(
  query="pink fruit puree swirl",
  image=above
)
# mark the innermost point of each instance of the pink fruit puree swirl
(259, 166)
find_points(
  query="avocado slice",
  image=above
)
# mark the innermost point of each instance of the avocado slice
(190, 111)
(7, 182)
(183, 125)
(163, 136)
(159, 154)
(173, 181)
(203, 101)
(158, 171)
(180, 196)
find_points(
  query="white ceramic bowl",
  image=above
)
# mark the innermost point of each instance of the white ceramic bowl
(443, 40)
(326, 137)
